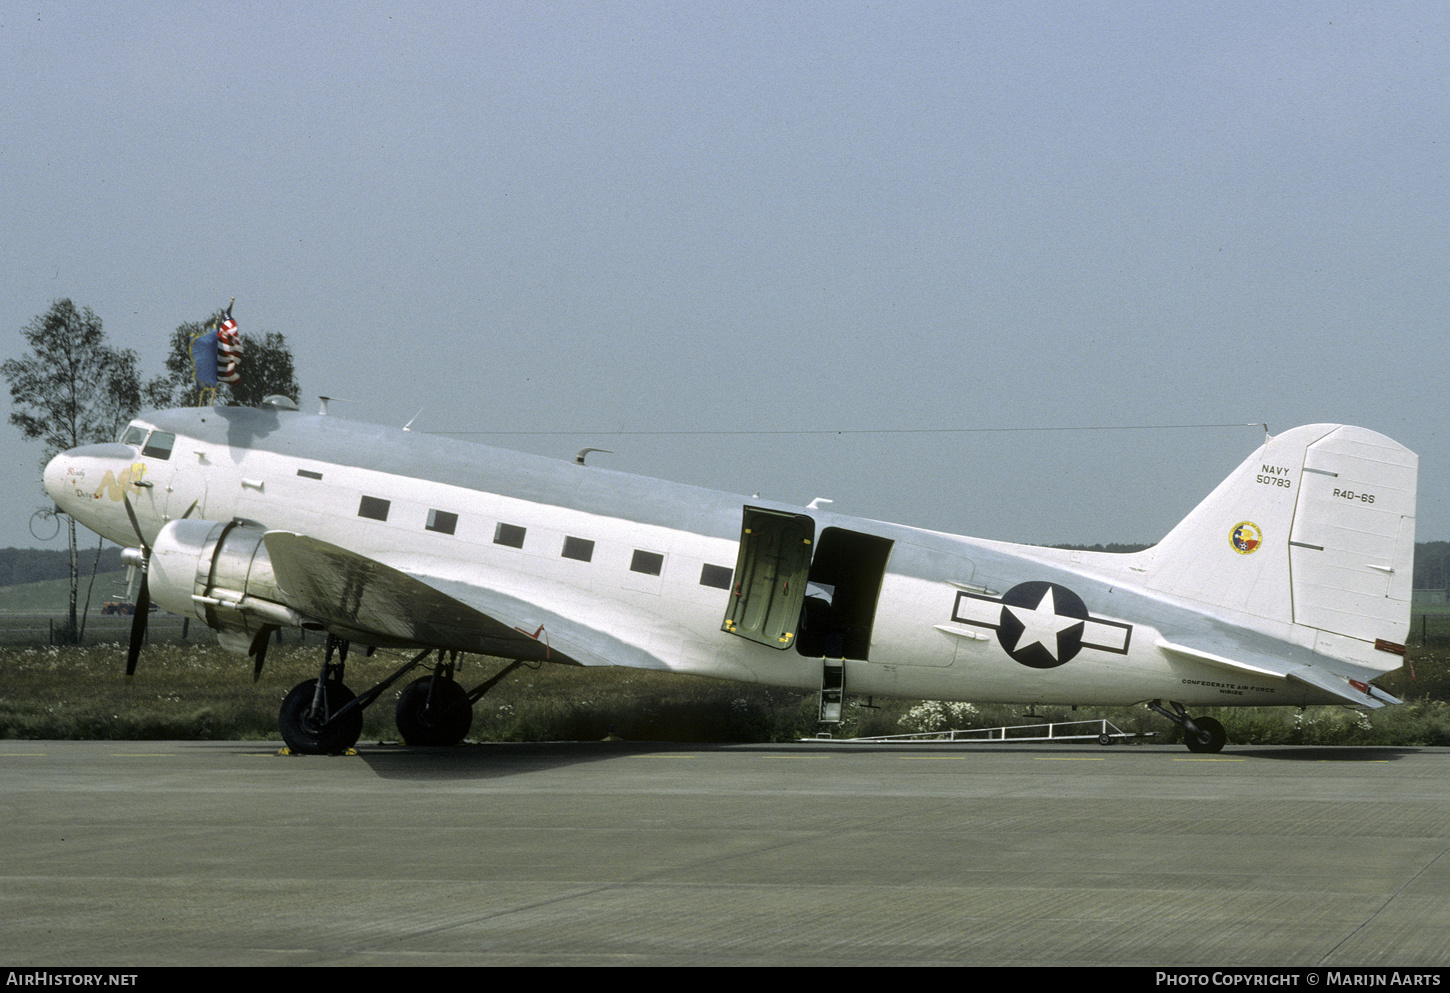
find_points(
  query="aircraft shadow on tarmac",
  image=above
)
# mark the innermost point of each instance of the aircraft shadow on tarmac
(497, 760)
(1324, 753)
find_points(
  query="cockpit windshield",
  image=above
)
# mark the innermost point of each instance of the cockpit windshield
(159, 445)
(133, 434)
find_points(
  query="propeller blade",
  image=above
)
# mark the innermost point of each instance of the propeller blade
(135, 524)
(258, 649)
(138, 624)
(143, 598)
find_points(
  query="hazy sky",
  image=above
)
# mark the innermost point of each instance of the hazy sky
(602, 218)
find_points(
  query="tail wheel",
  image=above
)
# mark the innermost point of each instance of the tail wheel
(1211, 738)
(307, 731)
(443, 720)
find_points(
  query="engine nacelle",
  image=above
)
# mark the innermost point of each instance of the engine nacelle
(219, 573)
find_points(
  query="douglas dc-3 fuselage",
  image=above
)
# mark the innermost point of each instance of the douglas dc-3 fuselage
(1288, 585)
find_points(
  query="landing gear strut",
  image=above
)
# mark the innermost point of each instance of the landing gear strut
(310, 722)
(434, 710)
(323, 717)
(319, 716)
(1201, 734)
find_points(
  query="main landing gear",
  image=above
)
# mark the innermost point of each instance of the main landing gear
(323, 717)
(313, 720)
(1200, 734)
(433, 711)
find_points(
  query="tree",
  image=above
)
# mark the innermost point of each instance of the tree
(266, 369)
(73, 389)
(177, 386)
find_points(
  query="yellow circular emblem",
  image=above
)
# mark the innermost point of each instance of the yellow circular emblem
(1245, 537)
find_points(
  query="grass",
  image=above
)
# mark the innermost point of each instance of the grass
(52, 595)
(203, 692)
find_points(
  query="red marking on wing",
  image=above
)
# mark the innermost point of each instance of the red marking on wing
(535, 636)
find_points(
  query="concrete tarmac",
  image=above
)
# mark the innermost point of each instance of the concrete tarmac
(225, 853)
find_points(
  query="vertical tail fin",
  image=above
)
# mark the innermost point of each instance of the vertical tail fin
(1315, 529)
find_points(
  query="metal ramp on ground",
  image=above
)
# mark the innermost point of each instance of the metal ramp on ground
(1103, 731)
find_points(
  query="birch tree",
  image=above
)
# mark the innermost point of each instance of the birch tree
(72, 389)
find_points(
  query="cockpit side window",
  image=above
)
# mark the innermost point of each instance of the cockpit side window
(159, 445)
(133, 435)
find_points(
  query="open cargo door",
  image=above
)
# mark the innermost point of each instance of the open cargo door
(770, 577)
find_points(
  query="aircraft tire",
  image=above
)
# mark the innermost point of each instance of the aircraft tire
(307, 736)
(445, 723)
(1216, 736)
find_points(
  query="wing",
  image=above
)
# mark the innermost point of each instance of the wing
(366, 600)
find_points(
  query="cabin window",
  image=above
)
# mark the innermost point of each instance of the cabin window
(159, 445)
(374, 509)
(718, 576)
(649, 563)
(309, 474)
(133, 435)
(442, 521)
(578, 548)
(509, 534)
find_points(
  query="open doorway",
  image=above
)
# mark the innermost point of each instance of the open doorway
(843, 587)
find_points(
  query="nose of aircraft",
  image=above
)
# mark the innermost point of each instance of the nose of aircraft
(90, 484)
(55, 479)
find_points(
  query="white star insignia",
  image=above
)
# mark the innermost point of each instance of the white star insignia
(1042, 624)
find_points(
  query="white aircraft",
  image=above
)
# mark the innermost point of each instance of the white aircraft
(1289, 585)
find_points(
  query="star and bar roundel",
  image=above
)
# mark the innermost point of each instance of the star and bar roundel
(1042, 625)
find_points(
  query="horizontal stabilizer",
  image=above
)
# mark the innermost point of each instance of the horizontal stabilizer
(1198, 655)
(1351, 691)
(1361, 694)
